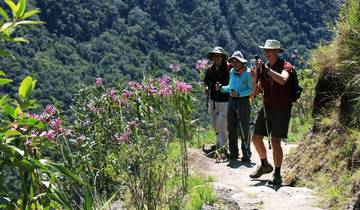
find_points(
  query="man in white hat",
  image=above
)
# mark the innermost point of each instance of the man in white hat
(218, 73)
(274, 117)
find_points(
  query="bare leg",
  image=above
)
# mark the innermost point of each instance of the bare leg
(277, 151)
(259, 145)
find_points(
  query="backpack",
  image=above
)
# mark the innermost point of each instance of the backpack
(296, 89)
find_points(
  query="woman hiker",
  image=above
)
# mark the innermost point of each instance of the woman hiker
(240, 89)
(218, 73)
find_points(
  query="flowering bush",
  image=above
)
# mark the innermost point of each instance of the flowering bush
(122, 136)
(201, 66)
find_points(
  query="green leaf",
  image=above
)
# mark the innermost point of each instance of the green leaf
(29, 22)
(4, 14)
(10, 133)
(22, 7)
(62, 169)
(2, 73)
(26, 88)
(88, 200)
(25, 165)
(4, 202)
(12, 6)
(20, 39)
(11, 150)
(30, 13)
(6, 26)
(9, 111)
(5, 53)
(5, 81)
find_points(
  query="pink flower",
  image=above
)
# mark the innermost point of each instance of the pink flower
(164, 80)
(202, 64)
(50, 110)
(35, 116)
(93, 109)
(98, 82)
(150, 89)
(28, 142)
(56, 124)
(165, 91)
(135, 85)
(133, 124)
(34, 134)
(127, 94)
(183, 86)
(49, 135)
(123, 138)
(174, 68)
(112, 94)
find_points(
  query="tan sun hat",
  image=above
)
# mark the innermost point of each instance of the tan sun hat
(238, 56)
(217, 50)
(272, 44)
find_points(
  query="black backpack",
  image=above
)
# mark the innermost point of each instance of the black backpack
(296, 89)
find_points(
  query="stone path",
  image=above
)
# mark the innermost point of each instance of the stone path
(238, 191)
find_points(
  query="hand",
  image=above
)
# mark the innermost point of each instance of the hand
(233, 94)
(258, 88)
(259, 64)
(207, 91)
(253, 73)
(217, 86)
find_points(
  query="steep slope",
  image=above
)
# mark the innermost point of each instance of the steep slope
(121, 39)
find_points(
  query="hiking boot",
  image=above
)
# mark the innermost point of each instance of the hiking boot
(232, 157)
(261, 170)
(276, 180)
(245, 160)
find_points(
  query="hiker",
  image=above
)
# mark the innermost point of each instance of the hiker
(218, 73)
(274, 117)
(240, 88)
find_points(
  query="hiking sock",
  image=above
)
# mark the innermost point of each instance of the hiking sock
(264, 162)
(277, 171)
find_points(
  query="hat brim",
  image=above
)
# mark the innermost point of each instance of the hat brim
(272, 48)
(242, 60)
(210, 55)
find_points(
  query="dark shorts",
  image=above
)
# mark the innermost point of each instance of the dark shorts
(277, 121)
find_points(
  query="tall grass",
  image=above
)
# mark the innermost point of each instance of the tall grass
(348, 59)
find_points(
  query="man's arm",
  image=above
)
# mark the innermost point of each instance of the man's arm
(279, 78)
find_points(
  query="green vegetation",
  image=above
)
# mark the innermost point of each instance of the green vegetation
(120, 40)
(200, 193)
(329, 158)
(301, 120)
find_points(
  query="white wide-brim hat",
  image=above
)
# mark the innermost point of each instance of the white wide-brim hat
(239, 56)
(272, 44)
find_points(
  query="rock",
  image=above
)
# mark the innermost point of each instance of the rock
(207, 207)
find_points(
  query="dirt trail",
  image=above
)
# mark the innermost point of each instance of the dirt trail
(234, 187)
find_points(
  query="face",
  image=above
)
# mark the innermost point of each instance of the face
(271, 55)
(218, 59)
(237, 64)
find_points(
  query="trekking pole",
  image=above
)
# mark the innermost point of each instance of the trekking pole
(241, 127)
(207, 99)
(263, 100)
(266, 124)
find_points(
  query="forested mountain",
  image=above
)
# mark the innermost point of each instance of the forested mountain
(120, 39)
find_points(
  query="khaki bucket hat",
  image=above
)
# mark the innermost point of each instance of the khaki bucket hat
(217, 50)
(272, 44)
